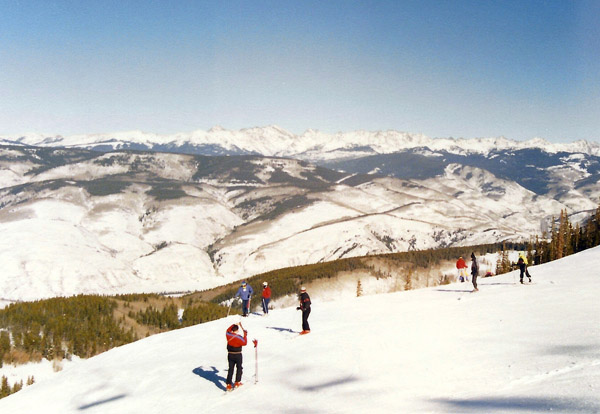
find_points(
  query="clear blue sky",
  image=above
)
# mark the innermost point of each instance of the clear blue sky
(480, 68)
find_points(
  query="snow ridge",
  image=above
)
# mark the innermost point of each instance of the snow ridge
(312, 144)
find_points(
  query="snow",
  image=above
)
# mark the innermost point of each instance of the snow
(217, 233)
(508, 348)
(311, 145)
(40, 371)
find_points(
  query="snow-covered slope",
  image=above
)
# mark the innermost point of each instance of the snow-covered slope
(509, 348)
(76, 221)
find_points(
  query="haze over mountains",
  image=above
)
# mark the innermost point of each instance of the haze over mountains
(221, 205)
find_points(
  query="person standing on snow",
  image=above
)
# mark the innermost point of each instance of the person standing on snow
(522, 263)
(461, 265)
(235, 342)
(474, 271)
(245, 293)
(305, 308)
(266, 297)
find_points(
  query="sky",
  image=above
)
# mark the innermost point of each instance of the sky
(520, 69)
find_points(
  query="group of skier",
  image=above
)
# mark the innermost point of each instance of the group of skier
(236, 340)
(462, 267)
(245, 293)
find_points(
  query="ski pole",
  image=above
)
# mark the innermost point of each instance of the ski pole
(255, 342)
(229, 309)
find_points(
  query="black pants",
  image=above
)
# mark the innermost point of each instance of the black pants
(474, 279)
(524, 271)
(305, 313)
(235, 361)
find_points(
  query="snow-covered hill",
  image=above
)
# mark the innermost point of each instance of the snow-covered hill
(78, 221)
(509, 348)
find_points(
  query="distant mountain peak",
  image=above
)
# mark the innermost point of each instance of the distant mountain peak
(311, 145)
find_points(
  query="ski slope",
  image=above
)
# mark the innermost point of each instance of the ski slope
(508, 348)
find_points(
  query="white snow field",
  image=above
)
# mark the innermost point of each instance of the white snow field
(508, 348)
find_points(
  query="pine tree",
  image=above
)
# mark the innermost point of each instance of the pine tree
(560, 237)
(530, 258)
(4, 345)
(359, 290)
(17, 386)
(408, 284)
(4, 388)
(499, 264)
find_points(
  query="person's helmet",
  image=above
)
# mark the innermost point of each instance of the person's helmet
(302, 289)
(243, 283)
(265, 284)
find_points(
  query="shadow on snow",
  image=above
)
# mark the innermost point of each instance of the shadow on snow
(211, 375)
(100, 402)
(282, 329)
(525, 404)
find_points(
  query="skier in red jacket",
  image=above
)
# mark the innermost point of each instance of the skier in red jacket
(461, 265)
(235, 342)
(266, 297)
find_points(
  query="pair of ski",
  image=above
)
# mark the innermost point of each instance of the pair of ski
(229, 390)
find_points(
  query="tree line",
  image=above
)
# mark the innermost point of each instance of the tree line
(82, 325)
(288, 281)
(6, 389)
(563, 240)
(167, 318)
(86, 325)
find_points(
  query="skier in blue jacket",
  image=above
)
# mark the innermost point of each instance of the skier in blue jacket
(245, 293)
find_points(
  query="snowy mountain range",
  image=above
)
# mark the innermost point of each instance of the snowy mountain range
(312, 145)
(76, 219)
(508, 348)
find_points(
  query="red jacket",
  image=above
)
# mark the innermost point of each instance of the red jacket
(235, 342)
(266, 293)
(460, 264)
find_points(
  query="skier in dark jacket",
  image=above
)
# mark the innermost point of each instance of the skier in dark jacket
(245, 293)
(305, 308)
(235, 342)
(474, 271)
(522, 263)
